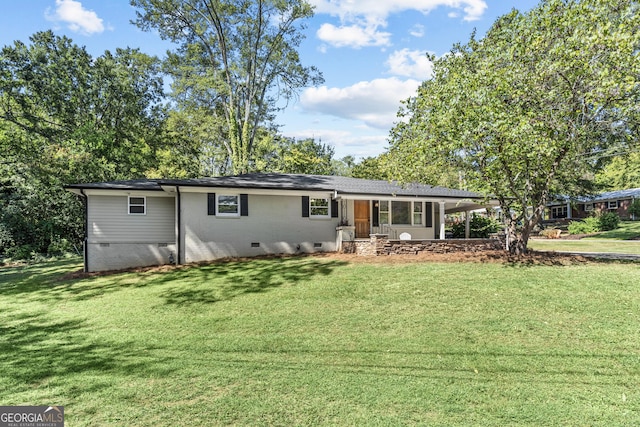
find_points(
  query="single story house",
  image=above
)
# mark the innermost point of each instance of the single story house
(158, 221)
(619, 201)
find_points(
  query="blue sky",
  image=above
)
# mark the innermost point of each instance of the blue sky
(371, 53)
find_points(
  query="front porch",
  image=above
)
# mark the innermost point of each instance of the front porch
(406, 218)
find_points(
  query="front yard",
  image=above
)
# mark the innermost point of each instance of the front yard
(625, 240)
(326, 341)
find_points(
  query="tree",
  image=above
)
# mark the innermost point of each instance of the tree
(67, 117)
(527, 111)
(235, 56)
(621, 172)
(287, 155)
(372, 168)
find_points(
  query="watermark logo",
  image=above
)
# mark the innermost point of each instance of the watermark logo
(31, 416)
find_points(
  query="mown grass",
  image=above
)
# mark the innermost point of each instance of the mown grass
(320, 341)
(619, 240)
(586, 245)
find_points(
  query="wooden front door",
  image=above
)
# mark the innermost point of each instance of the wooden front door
(361, 214)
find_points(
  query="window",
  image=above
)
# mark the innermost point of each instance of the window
(319, 207)
(227, 205)
(417, 213)
(137, 205)
(384, 212)
(588, 207)
(613, 204)
(400, 213)
(559, 212)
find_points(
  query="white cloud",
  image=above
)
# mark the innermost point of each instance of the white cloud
(417, 31)
(349, 9)
(375, 102)
(353, 36)
(77, 18)
(345, 142)
(410, 63)
(361, 19)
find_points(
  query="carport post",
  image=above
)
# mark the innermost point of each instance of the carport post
(467, 224)
(441, 205)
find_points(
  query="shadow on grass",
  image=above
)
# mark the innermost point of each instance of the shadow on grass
(46, 282)
(203, 284)
(224, 281)
(37, 348)
(557, 368)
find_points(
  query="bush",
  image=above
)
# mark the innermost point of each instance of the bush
(587, 226)
(479, 227)
(608, 221)
(59, 246)
(605, 222)
(551, 233)
(22, 252)
(634, 209)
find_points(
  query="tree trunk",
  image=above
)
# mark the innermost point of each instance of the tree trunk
(517, 239)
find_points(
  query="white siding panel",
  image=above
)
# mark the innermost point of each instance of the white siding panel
(275, 223)
(110, 222)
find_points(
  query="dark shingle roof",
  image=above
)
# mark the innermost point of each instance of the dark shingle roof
(609, 195)
(341, 184)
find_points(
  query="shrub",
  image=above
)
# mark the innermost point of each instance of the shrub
(551, 233)
(634, 209)
(608, 221)
(22, 252)
(479, 227)
(587, 226)
(59, 246)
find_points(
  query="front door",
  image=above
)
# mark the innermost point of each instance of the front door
(361, 214)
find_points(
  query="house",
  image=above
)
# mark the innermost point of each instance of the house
(159, 221)
(619, 201)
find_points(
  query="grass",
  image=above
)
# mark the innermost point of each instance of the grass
(319, 341)
(619, 240)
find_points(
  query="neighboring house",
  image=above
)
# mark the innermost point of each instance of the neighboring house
(159, 221)
(581, 207)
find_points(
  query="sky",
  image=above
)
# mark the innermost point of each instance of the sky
(372, 54)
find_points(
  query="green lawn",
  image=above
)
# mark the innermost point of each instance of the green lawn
(614, 241)
(320, 341)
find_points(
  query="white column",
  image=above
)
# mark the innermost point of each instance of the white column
(467, 224)
(568, 209)
(441, 220)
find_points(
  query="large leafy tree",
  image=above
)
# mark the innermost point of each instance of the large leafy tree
(528, 110)
(68, 117)
(621, 172)
(288, 155)
(236, 58)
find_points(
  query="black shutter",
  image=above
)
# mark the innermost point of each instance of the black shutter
(211, 203)
(334, 209)
(429, 213)
(376, 213)
(244, 205)
(305, 206)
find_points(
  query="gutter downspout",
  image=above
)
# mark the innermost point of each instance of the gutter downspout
(85, 250)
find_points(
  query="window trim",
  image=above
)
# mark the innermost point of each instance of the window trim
(412, 212)
(563, 210)
(227, 214)
(613, 204)
(588, 207)
(311, 207)
(130, 205)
